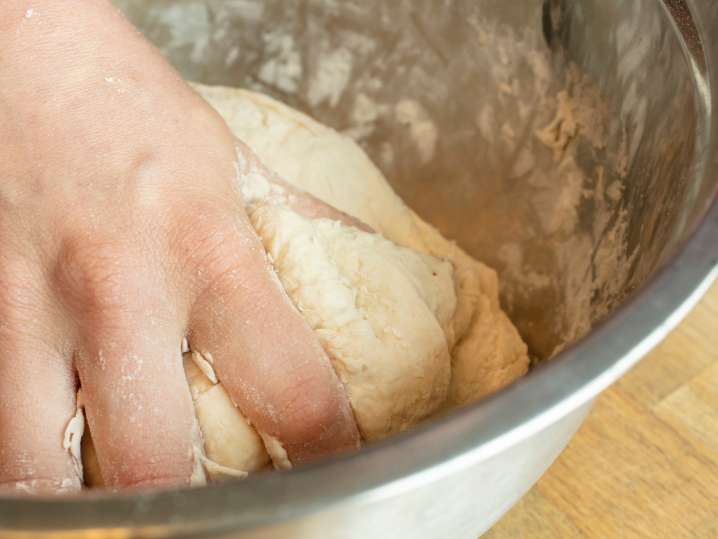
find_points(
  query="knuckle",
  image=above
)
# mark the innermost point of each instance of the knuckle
(218, 251)
(24, 301)
(95, 277)
(17, 293)
(309, 408)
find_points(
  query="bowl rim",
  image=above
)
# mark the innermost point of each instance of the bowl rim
(439, 447)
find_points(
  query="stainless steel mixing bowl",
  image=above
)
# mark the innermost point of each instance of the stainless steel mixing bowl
(572, 145)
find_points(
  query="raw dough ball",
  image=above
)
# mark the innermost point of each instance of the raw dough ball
(411, 323)
(487, 351)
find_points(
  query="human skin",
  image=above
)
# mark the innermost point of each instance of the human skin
(122, 231)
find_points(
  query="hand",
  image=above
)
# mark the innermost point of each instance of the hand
(121, 232)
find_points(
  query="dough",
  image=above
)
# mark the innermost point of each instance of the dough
(487, 351)
(411, 323)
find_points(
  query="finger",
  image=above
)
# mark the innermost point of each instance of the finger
(128, 359)
(38, 401)
(138, 405)
(268, 358)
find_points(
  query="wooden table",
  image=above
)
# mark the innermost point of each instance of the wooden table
(645, 463)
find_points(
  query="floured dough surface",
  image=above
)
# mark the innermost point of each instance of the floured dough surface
(378, 309)
(411, 323)
(489, 352)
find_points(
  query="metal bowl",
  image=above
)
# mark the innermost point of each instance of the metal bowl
(571, 145)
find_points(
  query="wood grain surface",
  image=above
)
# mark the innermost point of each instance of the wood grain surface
(645, 463)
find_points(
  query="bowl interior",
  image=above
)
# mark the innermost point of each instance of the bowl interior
(562, 142)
